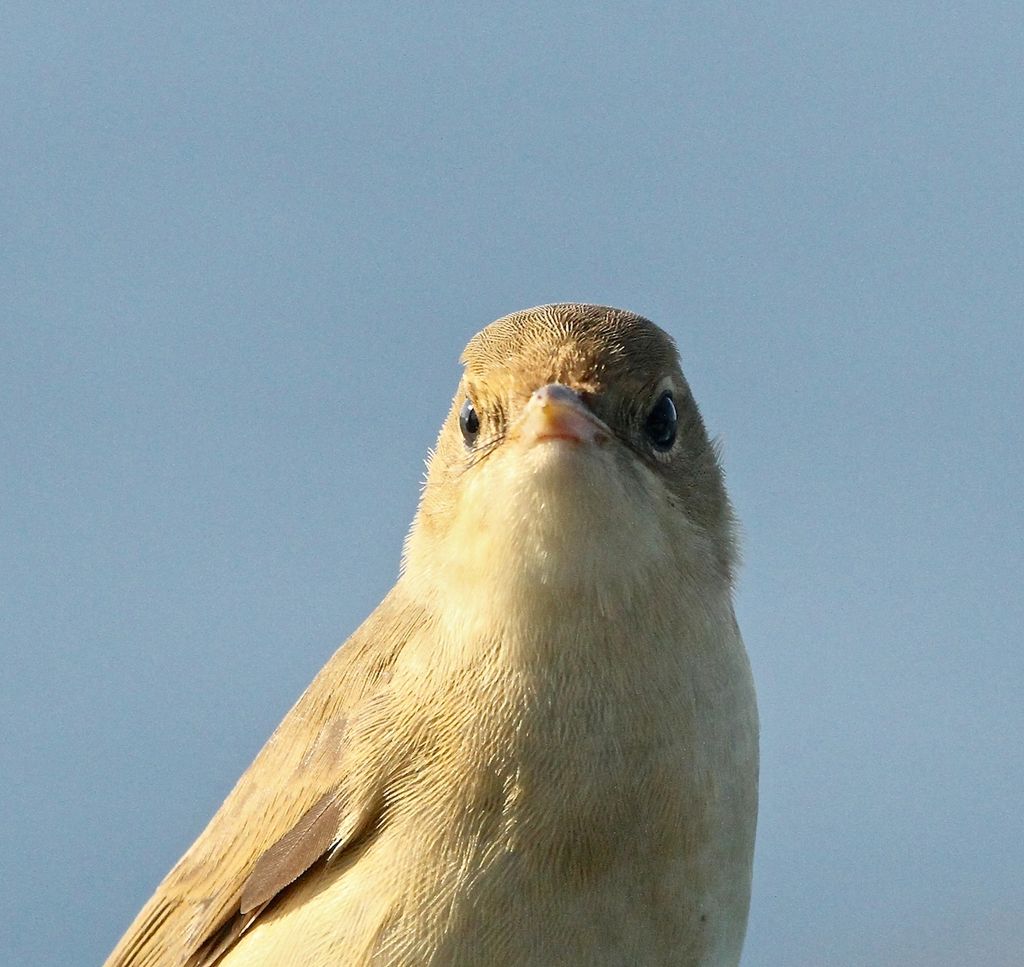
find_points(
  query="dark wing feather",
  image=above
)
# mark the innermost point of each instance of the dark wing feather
(309, 839)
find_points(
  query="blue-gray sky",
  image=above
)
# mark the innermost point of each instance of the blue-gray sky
(242, 248)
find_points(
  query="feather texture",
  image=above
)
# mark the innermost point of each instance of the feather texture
(541, 747)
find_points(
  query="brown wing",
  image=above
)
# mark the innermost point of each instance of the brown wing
(294, 803)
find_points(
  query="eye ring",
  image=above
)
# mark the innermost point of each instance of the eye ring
(662, 423)
(469, 422)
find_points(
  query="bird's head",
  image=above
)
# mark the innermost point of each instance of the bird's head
(574, 457)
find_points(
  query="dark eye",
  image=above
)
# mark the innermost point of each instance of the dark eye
(469, 422)
(661, 423)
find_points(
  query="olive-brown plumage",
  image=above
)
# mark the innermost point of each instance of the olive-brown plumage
(541, 748)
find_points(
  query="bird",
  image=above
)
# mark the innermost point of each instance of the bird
(541, 748)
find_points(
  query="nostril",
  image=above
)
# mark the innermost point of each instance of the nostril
(555, 391)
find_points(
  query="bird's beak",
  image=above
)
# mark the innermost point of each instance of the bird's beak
(556, 412)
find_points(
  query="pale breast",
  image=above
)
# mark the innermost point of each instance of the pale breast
(557, 818)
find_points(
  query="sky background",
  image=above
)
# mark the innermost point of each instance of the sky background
(241, 249)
